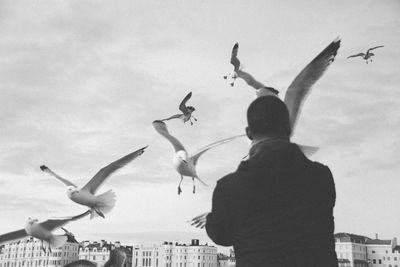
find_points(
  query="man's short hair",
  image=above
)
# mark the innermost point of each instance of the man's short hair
(81, 263)
(268, 114)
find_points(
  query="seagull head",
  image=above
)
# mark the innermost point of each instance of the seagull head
(71, 190)
(181, 156)
(31, 221)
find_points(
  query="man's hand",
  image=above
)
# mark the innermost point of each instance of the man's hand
(199, 221)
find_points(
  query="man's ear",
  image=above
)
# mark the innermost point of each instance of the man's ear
(248, 133)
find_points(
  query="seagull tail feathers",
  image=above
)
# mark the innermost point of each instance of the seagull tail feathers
(201, 181)
(57, 241)
(104, 203)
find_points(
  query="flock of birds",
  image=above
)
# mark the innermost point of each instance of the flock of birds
(184, 163)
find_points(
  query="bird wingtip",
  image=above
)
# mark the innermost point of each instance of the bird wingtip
(43, 167)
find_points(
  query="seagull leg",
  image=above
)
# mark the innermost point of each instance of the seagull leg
(194, 118)
(99, 213)
(179, 186)
(42, 246)
(194, 186)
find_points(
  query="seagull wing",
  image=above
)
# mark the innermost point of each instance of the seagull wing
(58, 177)
(13, 235)
(52, 224)
(182, 105)
(308, 150)
(161, 128)
(379, 46)
(357, 55)
(301, 85)
(196, 156)
(106, 171)
(234, 60)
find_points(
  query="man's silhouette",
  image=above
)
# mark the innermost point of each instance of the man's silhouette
(276, 209)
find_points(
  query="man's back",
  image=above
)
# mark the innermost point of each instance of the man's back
(276, 209)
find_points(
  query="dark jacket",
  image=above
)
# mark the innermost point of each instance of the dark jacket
(276, 209)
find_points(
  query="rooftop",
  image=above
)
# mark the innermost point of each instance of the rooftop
(346, 237)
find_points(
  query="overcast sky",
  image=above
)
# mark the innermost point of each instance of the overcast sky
(81, 82)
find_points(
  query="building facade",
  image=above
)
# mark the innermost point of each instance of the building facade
(383, 253)
(27, 252)
(351, 250)
(227, 261)
(99, 252)
(361, 251)
(175, 255)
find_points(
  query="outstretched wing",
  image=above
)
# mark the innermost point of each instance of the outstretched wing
(106, 171)
(52, 224)
(357, 55)
(13, 235)
(302, 84)
(58, 177)
(234, 60)
(182, 105)
(308, 150)
(196, 156)
(161, 128)
(379, 46)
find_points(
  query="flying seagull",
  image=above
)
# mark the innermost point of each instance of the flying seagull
(98, 204)
(261, 89)
(366, 56)
(300, 86)
(187, 111)
(294, 97)
(43, 231)
(184, 164)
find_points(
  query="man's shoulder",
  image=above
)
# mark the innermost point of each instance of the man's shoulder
(228, 179)
(321, 168)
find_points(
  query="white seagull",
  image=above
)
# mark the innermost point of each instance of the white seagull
(184, 164)
(43, 231)
(367, 55)
(300, 86)
(187, 111)
(294, 97)
(98, 204)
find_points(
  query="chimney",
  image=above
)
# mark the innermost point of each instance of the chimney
(376, 235)
(195, 242)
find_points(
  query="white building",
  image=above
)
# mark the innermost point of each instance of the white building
(175, 255)
(351, 250)
(360, 251)
(383, 253)
(27, 252)
(227, 261)
(99, 252)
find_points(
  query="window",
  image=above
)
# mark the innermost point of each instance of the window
(380, 261)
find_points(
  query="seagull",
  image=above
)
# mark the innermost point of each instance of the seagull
(238, 72)
(43, 231)
(98, 204)
(184, 164)
(367, 55)
(294, 97)
(300, 86)
(186, 111)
